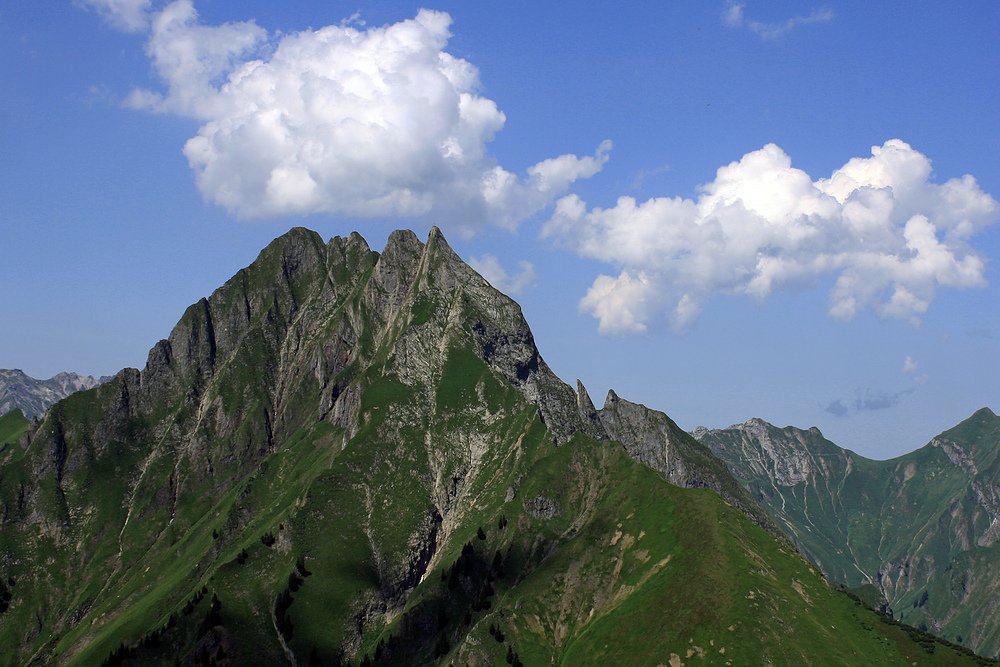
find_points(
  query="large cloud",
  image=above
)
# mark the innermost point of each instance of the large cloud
(376, 122)
(888, 234)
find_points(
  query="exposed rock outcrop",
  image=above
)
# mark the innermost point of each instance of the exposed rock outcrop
(652, 438)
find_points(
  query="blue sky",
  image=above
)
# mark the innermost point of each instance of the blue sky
(723, 210)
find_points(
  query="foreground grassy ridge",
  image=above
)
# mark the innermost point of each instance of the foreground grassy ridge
(660, 571)
(334, 458)
(12, 426)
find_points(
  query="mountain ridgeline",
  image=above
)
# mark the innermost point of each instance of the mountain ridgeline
(19, 391)
(351, 457)
(924, 528)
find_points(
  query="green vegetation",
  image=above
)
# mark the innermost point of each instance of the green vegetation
(318, 464)
(12, 426)
(910, 524)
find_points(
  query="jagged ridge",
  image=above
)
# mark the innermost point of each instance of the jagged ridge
(341, 453)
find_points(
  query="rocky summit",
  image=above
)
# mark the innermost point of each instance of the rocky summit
(350, 457)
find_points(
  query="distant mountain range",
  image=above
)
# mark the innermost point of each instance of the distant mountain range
(924, 528)
(33, 397)
(350, 457)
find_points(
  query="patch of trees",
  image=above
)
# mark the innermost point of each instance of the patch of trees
(213, 617)
(126, 652)
(930, 642)
(195, 599)
(512, 656)
(924, 639)
(6, 593)
(430, 629)
(285, 599)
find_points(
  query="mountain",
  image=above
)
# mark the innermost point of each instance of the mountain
(923, 527)
(653, 439)
(350, 457)
(33, 397)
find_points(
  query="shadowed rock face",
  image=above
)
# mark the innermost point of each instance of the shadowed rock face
(922, 527)
(342, 452)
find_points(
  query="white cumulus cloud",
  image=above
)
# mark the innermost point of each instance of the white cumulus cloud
(879, 225)
(366, 122)
(489, 267)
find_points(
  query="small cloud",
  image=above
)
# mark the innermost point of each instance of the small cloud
(732, 17)
(837, 408)
(980, 333)
(125, 15)
(775, 30)
(882, 401)
(867, 401)
(354, 19)
(489, 267)
(910, 366)
(98, 95)
(640, 176)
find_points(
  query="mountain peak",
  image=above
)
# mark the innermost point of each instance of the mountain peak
(653, 439)
(611, 398)
(322, 459)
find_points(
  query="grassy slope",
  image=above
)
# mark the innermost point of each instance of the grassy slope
(906, 518)
(12, 426)
(702, 578)
(625, 568)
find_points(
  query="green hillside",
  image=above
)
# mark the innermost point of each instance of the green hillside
(922, 527)
(346, 457)
(12, 426)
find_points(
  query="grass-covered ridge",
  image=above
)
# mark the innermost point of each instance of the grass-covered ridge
(12, 426)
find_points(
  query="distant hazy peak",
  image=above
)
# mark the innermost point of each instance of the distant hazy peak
(33, 396)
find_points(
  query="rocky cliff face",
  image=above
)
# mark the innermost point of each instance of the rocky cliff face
(653, 439)
(344, 456)
(324, 343)
(922, 527)
(33, 397)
